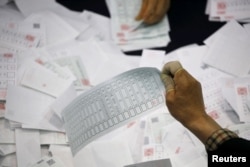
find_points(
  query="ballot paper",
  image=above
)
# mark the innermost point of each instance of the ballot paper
(132, 34)
(242, 92)
(74, 63)
(221, 10)
(63, 153)
(9, 160)
(18, 110)
(112, 104)
(27, 147)
(7, 135)
(6, 149)
(234, 58)
(52, 21)
(95, 31)
(12, 38)
(8, 73)
(41, 79)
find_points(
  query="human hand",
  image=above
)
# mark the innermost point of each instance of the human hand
(185, 101)
(153, 11)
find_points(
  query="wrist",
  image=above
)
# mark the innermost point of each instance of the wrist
(203, 127)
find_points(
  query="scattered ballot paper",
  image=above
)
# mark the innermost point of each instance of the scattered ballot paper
(225, 10)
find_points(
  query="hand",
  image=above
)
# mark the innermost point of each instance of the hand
(153, 11)
(185, 101)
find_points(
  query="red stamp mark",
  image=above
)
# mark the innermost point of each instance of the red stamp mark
(130, 124)
(221, 6)
(2, 106)
(30, 38)
(7, 55)
(242, 91)
(39, 61)
(125, 27)
(120, 34)
(177, 151)
(148, 152)
(85, 82)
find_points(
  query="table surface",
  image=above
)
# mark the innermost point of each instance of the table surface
(188, 22)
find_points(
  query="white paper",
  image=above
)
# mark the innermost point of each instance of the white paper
(50, 137)
(105, 153)
(63, 153)
(25, 105)
(51, 21)
(41, 79)
(7, 135)
(232, 59)
(27, 147)
(152, 58)
(47, 161)
(6, 149)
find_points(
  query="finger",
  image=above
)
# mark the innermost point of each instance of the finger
(168, 82)
(160, 10)
(142, 10)
(171, 68)
(149, 10)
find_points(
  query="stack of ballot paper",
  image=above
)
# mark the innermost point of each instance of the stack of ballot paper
(130, 34)
(225, 10)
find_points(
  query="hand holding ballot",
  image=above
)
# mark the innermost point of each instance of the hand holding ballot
(153, 11)
(185, 101)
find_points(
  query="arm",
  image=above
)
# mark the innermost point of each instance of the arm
(153, 11)
(185, 101)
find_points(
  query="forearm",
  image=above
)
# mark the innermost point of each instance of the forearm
(203, 127)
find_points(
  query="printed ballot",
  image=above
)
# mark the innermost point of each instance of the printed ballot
(112, 104)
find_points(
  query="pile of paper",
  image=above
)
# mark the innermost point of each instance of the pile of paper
(130, 34)
(48, 55)
(225, 10)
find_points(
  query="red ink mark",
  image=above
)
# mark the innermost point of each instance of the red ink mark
(125, 27)
(30, 38)
(130, 124)
(221, 6)
(85, 82)
(3, 94)
(242, 91)
(177, 151)
(2, 106)
(8, 55)
(120, 34)
(148, 152)
(39, 61)
(214, 114)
